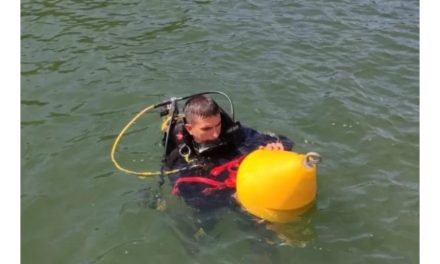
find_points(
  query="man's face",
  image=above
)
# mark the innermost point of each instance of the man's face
(204, 130)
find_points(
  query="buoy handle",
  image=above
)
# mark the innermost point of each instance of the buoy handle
(312, 158)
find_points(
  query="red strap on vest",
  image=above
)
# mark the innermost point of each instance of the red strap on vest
(231, 167)
(197, 179)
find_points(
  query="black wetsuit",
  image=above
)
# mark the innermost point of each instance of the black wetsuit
(193, 193)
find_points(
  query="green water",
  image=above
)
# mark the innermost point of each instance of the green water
(338, 77)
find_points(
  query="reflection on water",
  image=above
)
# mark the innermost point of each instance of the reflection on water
(197, 228)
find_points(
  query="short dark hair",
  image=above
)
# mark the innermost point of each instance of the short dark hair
(200, 106)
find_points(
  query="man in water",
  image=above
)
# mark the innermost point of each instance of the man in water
(211, 145)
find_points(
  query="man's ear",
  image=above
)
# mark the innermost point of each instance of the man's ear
(188, 128)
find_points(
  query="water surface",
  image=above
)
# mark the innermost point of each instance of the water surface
(338, 77)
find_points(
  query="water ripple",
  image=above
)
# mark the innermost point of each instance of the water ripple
(339, 77)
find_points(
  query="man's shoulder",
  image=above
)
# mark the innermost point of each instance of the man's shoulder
(253, 138)
(248, 130)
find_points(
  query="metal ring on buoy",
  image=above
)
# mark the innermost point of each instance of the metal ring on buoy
(312, 158)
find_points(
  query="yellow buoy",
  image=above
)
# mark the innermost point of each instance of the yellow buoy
(277, 185)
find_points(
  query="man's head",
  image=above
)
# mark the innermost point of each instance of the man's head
(203, 120)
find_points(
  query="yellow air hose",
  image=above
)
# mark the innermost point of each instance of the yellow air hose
(164, 125)
(118, 139)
